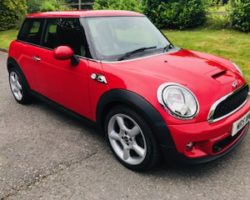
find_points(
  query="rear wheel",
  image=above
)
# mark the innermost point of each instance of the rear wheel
(131, 139)
(19, 87)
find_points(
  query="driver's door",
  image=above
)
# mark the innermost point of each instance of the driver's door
(59, 80)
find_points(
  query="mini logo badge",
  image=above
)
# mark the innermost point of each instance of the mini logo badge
(235, 84)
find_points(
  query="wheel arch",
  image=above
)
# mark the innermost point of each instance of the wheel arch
(12, 63)
(132, 100)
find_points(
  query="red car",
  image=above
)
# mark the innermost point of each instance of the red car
(150, 98)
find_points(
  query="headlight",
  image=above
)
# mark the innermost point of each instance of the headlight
(178, 100)
(238, 69)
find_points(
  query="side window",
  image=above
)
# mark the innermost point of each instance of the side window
(31, 31)
(65, 32)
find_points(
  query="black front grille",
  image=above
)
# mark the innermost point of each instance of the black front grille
(231, 103)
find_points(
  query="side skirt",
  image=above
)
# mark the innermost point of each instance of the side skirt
(63, 109)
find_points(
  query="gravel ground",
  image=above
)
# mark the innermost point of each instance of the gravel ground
(45, 154)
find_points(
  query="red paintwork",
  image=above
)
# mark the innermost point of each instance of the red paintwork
(63, 53)
(86, 13)
(72, 87)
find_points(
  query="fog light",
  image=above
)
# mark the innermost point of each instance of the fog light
(190, 146)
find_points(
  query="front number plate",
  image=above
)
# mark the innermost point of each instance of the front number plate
(238, 125)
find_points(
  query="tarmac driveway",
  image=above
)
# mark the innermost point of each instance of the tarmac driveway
(45, 154)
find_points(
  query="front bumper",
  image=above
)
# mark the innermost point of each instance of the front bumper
(211, 140)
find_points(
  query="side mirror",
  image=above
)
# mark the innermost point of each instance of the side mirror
(66, 53)
(63, 53)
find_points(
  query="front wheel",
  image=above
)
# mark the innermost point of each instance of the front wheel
(131, 139)
(19, 87)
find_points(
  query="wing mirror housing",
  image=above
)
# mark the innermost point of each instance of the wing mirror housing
(65, 53)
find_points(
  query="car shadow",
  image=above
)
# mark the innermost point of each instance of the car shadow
(81, 123)
(197, 171)
(165, 169)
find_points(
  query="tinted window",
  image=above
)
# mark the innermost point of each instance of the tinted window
(31, 31)
(65, 32)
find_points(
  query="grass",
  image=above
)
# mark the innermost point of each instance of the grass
(6, 37)
(229, 44)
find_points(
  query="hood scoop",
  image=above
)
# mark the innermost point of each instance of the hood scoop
(218, 74)
(223, 76)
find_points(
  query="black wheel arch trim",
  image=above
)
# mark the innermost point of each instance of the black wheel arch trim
(140, 105)
(12, 62)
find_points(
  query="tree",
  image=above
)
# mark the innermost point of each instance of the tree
(74, 4)
(46, 5)
(240, 15)
(176, 14)
(12, 12)
(133, 5)
(33, 6)
(53, 5)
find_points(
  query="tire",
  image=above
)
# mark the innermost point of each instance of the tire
(19, 86)
(131, 139)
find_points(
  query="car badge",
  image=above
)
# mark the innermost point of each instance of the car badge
(235, 84)
(99, 78)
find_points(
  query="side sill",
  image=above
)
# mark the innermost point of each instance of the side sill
(63, 109)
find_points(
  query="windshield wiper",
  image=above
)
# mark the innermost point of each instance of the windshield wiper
(167, 47)
(130, 53)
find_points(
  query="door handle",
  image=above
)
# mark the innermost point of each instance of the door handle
(36, 58)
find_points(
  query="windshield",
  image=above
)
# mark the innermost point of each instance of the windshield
(120, 38)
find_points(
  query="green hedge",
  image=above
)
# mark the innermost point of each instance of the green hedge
(12, 12)
(46, 5)
(176, 14)
(133, 5)
(240, 15)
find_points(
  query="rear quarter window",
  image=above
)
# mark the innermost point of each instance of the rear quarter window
(31, 31)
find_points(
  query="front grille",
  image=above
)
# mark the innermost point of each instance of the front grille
(231, 103)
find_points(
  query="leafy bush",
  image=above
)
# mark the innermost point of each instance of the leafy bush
(176, 14)
(215, 2)
(73, 4)
(217, 21)
(52, 5)
(45, 5)
(33, 6)
(133, 5)
(12, 12)
(240, 15)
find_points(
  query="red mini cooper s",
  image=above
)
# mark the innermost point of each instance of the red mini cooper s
(150, 98)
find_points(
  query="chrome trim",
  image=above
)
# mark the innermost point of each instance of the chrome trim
(99, 78)
(238, 69)
(90, 59)
(36, 58)
(160, 100)
(214, 106)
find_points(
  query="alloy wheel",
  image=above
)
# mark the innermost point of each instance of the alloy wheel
(15, 85)
(127, 139)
